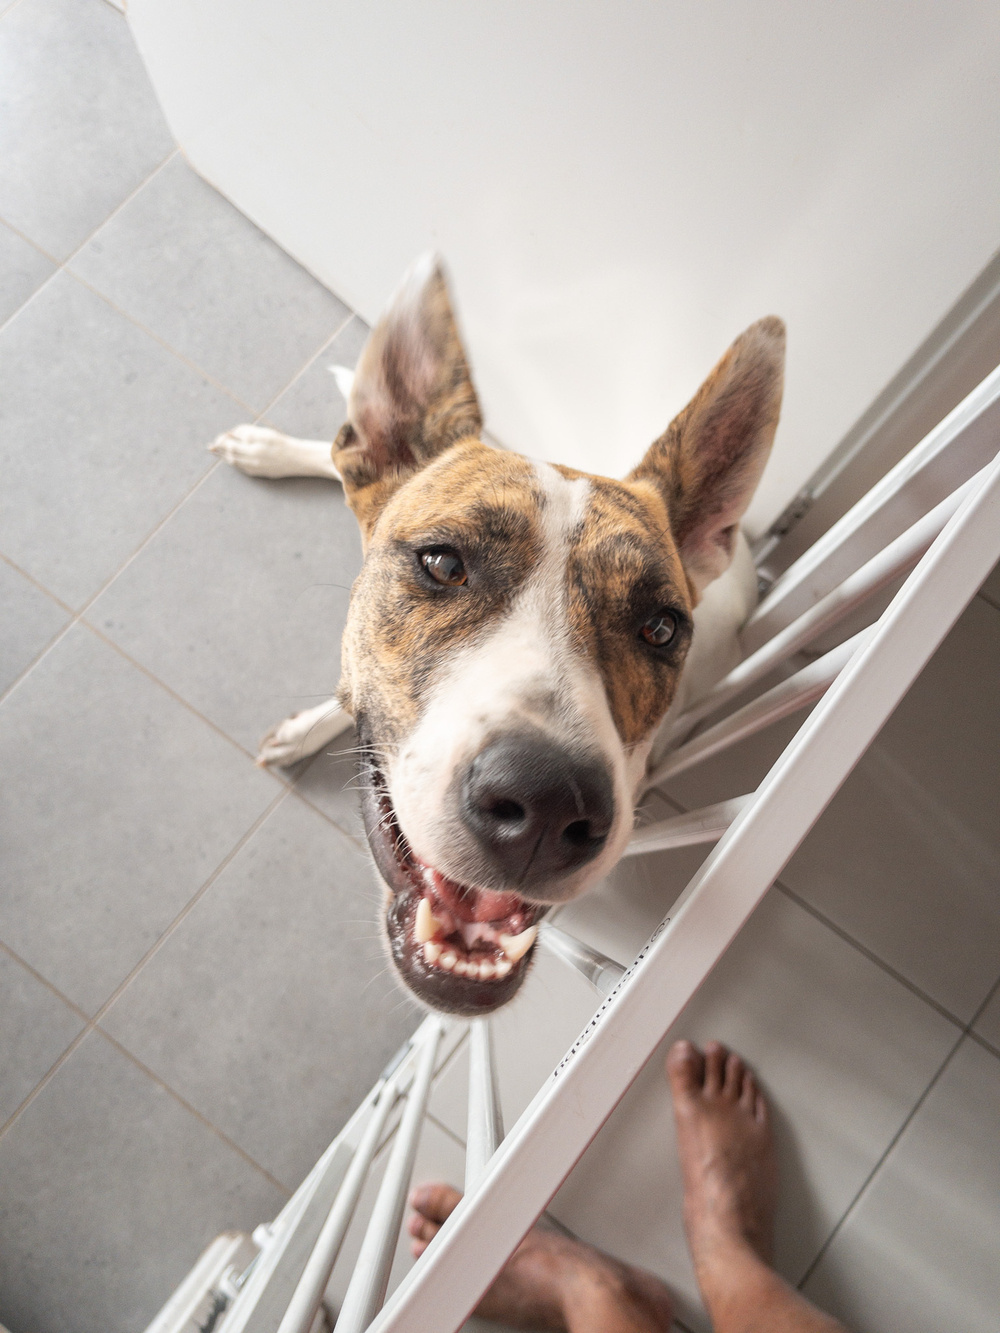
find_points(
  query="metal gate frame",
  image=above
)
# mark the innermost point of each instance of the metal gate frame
(938, 513)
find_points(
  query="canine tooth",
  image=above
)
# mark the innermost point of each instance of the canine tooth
(426, 925)
(501, 967)
(432, 951)
(448, 960)
(516, 946)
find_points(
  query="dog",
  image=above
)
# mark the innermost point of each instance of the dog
(516, 635)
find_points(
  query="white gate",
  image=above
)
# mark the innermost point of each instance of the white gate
(936, 513)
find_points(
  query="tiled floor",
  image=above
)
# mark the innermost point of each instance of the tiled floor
(191, 990)
(192, 994)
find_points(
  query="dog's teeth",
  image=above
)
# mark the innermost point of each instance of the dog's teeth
(501, 967)
(486, 971)
(462, 968)
(432, 951)
(448, 960)
(426, 925)
(516, 946)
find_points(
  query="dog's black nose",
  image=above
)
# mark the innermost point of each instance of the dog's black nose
(536, 809)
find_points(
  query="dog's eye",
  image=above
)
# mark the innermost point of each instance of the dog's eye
(444, 566)
(660, 629)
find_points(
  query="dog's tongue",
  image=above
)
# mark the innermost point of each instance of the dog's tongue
(472, 904)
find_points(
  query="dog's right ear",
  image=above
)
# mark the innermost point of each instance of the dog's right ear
(412, 395)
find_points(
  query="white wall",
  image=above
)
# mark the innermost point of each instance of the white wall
(618, 188)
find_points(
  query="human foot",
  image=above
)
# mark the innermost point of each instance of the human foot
(727, 1158)
(553, 1281)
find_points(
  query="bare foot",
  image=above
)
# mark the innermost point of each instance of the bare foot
(553, 1281)
(727, 1157)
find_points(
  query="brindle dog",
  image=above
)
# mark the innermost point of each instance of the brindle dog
(515, 636)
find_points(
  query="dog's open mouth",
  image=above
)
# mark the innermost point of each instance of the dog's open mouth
(459, 948)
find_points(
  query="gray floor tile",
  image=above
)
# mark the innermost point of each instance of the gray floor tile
(330, 782)
(987, 1025)
(123, 804)
(905, 860)
(29, 619)
(187, 265)
(271, 1008)
(919, 1252)
(991, 588)
(79, 125)
(239, 602)
(37, 1027)
(102, 431)
(23, 269)
(109, 1190)
(843, 1051)
(313, 407)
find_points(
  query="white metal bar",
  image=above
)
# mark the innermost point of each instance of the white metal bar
(485, 1124)
(366, 1290)
(287, 1242)
(538, 1153)
(798, 691)
(899, 556)
(305, 1302)
(190, 1308)
(600, 970)
(947, 456)
(686, 830)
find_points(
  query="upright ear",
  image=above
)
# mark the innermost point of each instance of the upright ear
(708, 461)
(412, 395)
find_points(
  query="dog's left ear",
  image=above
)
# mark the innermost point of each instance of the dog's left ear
(708, 461)
(412, 395)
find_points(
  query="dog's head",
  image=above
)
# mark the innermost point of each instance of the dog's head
(515, 636)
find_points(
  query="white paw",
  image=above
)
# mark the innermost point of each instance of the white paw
(259, 451)
(303, 734)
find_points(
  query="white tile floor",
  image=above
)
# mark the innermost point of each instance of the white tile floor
(191, 991)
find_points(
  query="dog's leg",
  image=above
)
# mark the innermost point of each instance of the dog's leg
(263, 452)
(303, 734)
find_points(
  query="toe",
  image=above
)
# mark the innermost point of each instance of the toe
(422, 1228)
(748, 1096)
(715, 1067)
(685, 1069)
(760, 1111)
(732, 1083)
(435, 1201)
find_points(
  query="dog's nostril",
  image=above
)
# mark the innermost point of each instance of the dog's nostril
(578, 833)
(507, 811)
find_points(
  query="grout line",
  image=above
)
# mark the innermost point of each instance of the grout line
(12, 5)
(879, 1164)
(28, 241)
(179, 698)
(362, 845)
(872, 957)
(154, 948)
(62, 263)
(78, 615)
(986, 1045)
(847, 938)
(12, 953)
(439, 1124)
(40, 586)
(308, 365)
(150, 1073)
(965, 1032)
(167, 347)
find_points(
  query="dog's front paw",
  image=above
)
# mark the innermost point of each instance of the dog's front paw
(303, 734)
(258, 451)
